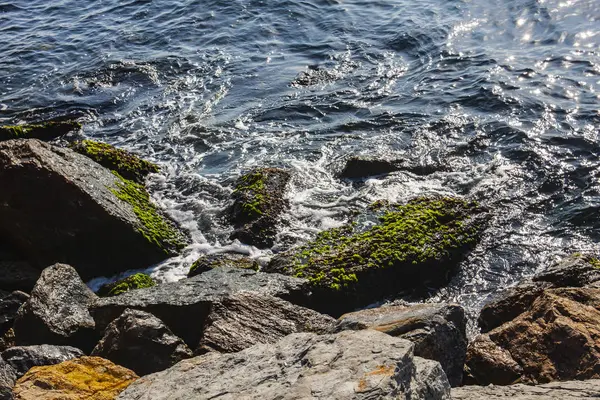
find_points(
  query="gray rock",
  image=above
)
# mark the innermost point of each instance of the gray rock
(9, 305)
(183, 306)
(59, 206)
(428, 381)
(23, 358)
(576, 270)
(437, 330)
(8, 377)
(57, 311)
(349, 365)
(589, 389)
(245, 319)
(141, 342)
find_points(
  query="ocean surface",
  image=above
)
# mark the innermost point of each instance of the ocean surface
(505, 94)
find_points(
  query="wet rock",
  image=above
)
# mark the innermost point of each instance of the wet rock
(437, 330)
(135, 281)
(314, 75)
(44, 130)
(557, 338)
(258, 202)
(232, 260)
(23, 358)
(57, 311)
(577, 270)
(59, 206)
(361, 167)
(9, 305)
(350, 365)
(141, 342)
(569, 390)
(183, 306)
(84, 378)
(8, 377)
(244, 319)
(410, 246)
(126, 164)
(17, 275)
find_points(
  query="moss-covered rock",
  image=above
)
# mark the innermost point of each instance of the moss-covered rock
(128, 165)
(206, 263)
(44, 130)
(394, 248)
(136, 281)
(258, 202)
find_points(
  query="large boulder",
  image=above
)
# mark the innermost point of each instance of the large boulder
(245, 319)
(557, 338)
(8, 376)
(258, 203)
(411, 246)
(437, 330)
(570, 390)
(9, 305)
(183, 306)
(83, 378)
(59, 206)
(23, 358)
(350, 365)
(57, 311)
(141, 342)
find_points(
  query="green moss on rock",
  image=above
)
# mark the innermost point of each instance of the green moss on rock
(128, 165)
(206, 263)
(136, 281)
(46, 130)
(252, 186)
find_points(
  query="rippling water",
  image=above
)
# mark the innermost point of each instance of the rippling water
(503, 93)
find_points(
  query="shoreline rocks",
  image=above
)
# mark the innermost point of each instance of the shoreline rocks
(43, 130)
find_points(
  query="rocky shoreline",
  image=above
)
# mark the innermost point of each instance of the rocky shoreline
(296, 328)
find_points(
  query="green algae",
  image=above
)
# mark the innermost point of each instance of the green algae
(42, 130)
(595, 263)
(154, 227)
(252, 187)
(136, 281)
(128, 165)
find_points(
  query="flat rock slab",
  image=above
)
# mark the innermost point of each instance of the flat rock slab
(23, 358)
(351, 365)
(570, 390)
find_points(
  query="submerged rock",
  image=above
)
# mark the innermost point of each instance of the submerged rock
(206, 263)
(437, 330)
(141, 342)
(135, 281)
(84, 378)
(349, 365)
(361, 167)
(244, 319)
(59, 206)
(57, 311)
(258, 202)
(570, 390)
(410, 246)
(23, 358)
(44, 130)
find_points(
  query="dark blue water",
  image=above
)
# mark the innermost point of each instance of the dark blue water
(504, 93)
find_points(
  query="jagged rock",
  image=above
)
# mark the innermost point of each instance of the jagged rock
(428, 382)
(314, 75)
(17, 275)
(577, 270)
(23, 358)
(244, 319)
(84, 378)
(44, 130)
(233, 260)
(437, 330)
(350, 365)
(57, 311)
(8, 377)
(9, 305)
(183, 306)
(135, 281)
(569, 390)
(258, 202)
(412, 246)
(361, 167)
(59, 206)
(557, 338)
(141, 342)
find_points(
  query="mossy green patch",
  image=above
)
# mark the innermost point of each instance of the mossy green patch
(252, 187)
(155, 228)
(136, 281)
(594, 262)
(128, 165)
(46, 130)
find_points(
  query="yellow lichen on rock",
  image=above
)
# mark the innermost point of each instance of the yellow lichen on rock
(78, 379)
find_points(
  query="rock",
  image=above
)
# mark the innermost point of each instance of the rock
(437, 330)
(45, 130)
(8, 377)
(350, 365)
(23, 358)
(233, 260)
(135, 281)
(59, 206)
(314, 75)
(557, 338)
(412, 246)
(126, 164)
(589, 389)
(183, 306)
(18, 275)
(258, 202)
(84, 378)
(429, 382)
(57, 311)
(9, 305)
(7, 340)
(577, 270)
(244, 319)
(361, 167)
(141, 342)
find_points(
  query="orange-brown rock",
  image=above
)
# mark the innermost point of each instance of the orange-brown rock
(557, 338)
(82, 378)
